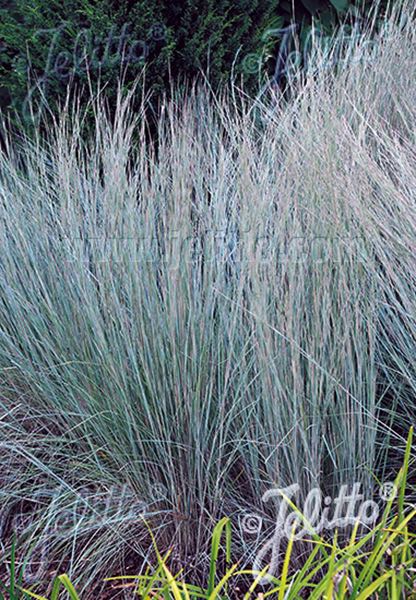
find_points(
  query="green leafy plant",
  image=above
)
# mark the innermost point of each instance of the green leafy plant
(382, 561)
(11, 591)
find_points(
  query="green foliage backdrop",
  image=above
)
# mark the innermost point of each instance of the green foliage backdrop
(45, 44)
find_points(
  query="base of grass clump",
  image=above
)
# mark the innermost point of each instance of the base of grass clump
(380, 563)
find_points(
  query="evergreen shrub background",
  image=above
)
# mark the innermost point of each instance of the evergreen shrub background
(45, 44)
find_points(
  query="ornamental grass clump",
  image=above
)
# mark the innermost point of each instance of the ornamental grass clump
(188, 322)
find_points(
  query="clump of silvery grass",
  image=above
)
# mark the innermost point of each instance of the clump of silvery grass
(184, 325)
